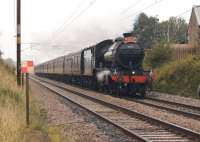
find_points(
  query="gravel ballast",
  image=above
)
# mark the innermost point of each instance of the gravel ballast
(76, 122)
(176, 98)
(150, 111)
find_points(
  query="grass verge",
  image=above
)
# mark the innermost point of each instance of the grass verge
(179, 77)
(12, 112)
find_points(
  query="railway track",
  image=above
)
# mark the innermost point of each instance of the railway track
(174, 107)
(133, 124)
(178, 108)
(194, 108)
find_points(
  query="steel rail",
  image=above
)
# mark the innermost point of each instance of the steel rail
(123, 129)
(175, 103)
(176, 111)
(132, 113)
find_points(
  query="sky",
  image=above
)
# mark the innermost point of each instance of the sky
(58, 27)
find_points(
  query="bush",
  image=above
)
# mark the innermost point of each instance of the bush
(179, 77)
(158, 56)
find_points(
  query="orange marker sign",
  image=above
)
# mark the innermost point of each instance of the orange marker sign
(24, 69)
(29, 63)
(27, 66)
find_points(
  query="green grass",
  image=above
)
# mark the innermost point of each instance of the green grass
(11, 104)
(12, 110)
(12, 114)
(179, 77)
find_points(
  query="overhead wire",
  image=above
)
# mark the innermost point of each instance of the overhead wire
(66, 21)
(147, 7)
(131, 6)
(182, 13)
(81, 13)
(70, 17)
(70, 20)
(73, 18)
(77, 16)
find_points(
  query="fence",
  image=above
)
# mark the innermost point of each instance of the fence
(182, 53)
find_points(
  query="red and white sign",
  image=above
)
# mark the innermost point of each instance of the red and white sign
(27, 66)
(29, 63)
(24, 69)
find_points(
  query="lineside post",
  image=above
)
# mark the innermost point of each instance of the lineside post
(27, 99)
(18, 41)
(22, 80)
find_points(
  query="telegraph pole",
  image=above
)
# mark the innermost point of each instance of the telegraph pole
(168, 32)
(18, 42)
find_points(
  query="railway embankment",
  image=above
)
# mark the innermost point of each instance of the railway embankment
(12, 112)
(179, 77)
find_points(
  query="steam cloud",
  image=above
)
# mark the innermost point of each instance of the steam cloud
(101, 76)
(77, 37)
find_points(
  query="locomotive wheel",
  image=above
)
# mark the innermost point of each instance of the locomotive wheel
(110, 90)
(119, 91)
(143, 94)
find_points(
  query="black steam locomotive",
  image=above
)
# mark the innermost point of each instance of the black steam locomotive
(111, 66)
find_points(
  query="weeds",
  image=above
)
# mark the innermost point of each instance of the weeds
(12, 110)
(11, 123)
(179, 77)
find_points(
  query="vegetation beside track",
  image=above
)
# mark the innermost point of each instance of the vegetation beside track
(159, 55)
(179, 77)
(12, 109)
(174, 77)
(12, 113)
(11, 104)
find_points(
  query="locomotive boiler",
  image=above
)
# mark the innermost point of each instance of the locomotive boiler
(121, 68)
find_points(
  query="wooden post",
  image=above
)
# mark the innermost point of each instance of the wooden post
(22, 80)
(27, 99)
(18, 41)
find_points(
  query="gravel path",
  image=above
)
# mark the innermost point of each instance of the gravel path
(76, 122)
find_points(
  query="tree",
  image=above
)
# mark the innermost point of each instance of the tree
(150, 31)
(158, 56)
(144, 29)
(178, 30)
(174, 30)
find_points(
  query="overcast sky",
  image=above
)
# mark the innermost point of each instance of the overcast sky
(86, 22)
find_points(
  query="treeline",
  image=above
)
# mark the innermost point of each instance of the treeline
(150, 31)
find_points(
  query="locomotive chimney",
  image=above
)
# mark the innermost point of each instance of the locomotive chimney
(127, 35)
(129, 38)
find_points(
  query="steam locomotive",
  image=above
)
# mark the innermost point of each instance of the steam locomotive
(111, 66)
